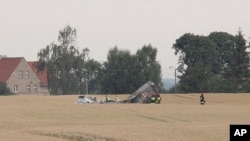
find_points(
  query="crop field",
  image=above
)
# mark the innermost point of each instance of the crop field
(179, 117)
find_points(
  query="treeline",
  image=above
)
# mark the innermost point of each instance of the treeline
(214, 63)
(71, 71)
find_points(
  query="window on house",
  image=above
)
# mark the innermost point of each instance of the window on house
(27, 74)
(20, 74)
(35, 88)
(15, 88)
(28, 89)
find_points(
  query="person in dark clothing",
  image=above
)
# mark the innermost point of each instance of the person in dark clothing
(202, 99)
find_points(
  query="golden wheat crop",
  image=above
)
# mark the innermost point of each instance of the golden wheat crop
(178, 118)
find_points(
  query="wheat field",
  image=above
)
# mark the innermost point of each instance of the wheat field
(179, 117)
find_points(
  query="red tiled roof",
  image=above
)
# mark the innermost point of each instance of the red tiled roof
(7, 66)
(42, 76)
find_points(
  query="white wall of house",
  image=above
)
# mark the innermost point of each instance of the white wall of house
(23, 79)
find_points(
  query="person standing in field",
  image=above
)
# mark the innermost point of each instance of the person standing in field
(202, 99)
(158, 99)
(153, 99)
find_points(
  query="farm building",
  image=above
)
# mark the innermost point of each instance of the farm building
(19, 77)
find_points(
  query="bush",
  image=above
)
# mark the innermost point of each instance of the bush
(4, 90)
(219, 85)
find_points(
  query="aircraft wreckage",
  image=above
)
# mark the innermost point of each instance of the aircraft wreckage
(147, 93)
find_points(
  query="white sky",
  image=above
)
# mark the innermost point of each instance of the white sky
(29, 25)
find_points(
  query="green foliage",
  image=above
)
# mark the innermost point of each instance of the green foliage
(124, 73)
(214, 63)
(71, 71)
(224, 45)
(64, 64)
(149, 68)
(92, 70)
(199, 55)
(219, 85)
(4, 90)
(234, 61)
(118, 72)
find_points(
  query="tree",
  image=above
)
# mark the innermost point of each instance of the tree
(64, 63)
(124, 73)
(233, 60)
(224, 45)
(199, 54)
(214, 63)
(118, 72)
(149, 68)
(92, 70)
(238, 65)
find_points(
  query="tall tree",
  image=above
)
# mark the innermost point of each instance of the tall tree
(118, 72)
(64, 63)
(225, 45)
(92, 70)
(233, 58)
(149, 67)
(199, 54)
(214, 63)
(238, 65)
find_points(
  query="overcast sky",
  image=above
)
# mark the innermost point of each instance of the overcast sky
(29, 25)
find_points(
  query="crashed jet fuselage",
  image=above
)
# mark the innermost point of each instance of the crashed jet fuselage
(147, 93)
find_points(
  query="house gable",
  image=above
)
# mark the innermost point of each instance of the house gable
(18, 76)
